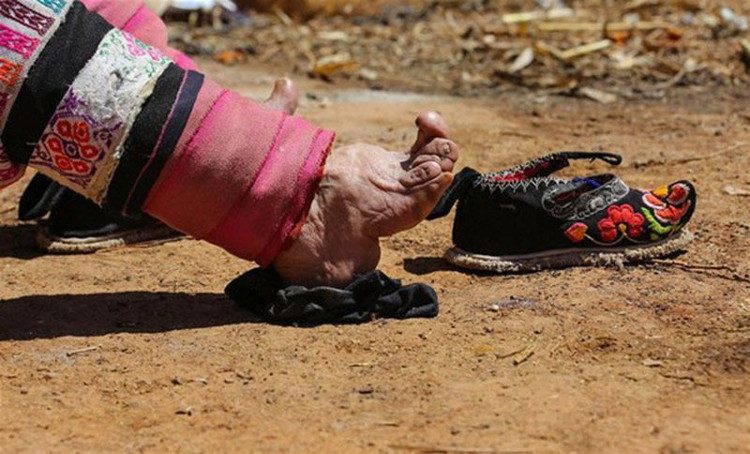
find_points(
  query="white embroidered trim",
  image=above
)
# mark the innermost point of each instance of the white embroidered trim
(82, 144)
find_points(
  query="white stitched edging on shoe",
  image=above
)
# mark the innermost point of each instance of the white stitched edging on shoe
(617, 257)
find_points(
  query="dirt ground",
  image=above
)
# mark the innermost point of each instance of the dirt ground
(139, 350)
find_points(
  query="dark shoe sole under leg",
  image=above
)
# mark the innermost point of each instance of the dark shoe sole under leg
(152, 235)
(570, 257)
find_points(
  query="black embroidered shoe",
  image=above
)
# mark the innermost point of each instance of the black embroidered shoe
(525, 219)
(77, 226)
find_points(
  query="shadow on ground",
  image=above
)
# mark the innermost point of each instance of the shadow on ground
(51, 316)
(422, 266)
(427, 265)
(17, 241)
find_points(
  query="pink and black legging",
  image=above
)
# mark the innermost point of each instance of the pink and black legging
(85, 101)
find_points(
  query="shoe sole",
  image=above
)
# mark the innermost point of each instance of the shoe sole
(564, 258)
(86, 245)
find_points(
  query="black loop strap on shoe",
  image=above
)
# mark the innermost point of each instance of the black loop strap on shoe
(39, 197)
(609, 158)
(461, 182)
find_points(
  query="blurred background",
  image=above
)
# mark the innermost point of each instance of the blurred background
(599, 49)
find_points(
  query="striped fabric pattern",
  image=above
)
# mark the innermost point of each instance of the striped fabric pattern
(149, 146)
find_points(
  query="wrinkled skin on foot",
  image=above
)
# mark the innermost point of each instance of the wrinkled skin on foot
(368, 193)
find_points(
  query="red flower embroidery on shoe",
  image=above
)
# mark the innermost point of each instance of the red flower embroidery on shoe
(621, 219)
(576, 232)
(670, 204)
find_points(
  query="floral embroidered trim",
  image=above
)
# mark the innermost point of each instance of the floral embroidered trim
(577, 232)
(621, 222)
(18, 52)
(82, 144)
(654, 225)
(75, 142)
(670, 204)
(649, 217)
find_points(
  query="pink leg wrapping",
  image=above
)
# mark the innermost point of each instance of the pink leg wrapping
(242, 176)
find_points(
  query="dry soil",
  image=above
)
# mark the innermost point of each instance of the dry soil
(139, 350)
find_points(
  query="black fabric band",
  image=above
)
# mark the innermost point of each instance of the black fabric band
(67, 52)
(172, 131)
(144, 136)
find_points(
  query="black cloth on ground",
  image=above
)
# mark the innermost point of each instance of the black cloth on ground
(372, 296)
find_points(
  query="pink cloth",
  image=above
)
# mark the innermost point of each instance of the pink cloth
(135, 18)
(242, 176)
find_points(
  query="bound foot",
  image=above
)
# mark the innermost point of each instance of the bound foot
(368, 193)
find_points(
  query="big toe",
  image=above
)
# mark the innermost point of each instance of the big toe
(430, 125)
(285, 96)
(427, 173)
(442, 152)
(424, 179)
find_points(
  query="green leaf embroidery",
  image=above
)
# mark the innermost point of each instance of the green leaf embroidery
(654, 224)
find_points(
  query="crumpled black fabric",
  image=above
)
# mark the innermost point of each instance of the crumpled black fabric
(371, 296)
